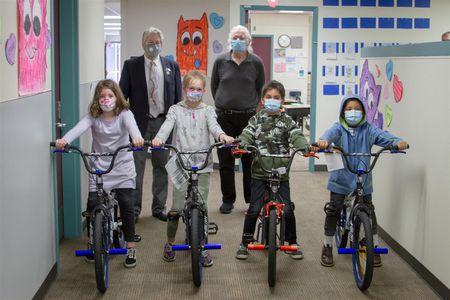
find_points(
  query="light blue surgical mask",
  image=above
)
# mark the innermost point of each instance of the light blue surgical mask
(353, 117)
(272, 105)
(238, 45)
(152, 50)
(194, 96)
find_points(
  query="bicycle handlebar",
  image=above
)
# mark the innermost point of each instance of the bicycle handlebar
(84, 156)
(345, 155)
(178, 152)
(253, 149)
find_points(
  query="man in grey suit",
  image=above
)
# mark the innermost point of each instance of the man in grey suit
(152, 84)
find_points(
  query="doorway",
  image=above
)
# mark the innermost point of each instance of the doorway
(293, 53)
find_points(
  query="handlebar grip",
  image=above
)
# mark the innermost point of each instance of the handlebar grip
(52, 144)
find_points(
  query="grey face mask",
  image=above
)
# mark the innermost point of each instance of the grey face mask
(152, 50)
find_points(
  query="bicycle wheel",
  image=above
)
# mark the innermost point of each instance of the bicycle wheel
(341, 235)
(100, 251)
(272, 237)
(363, 244)
(196, 247)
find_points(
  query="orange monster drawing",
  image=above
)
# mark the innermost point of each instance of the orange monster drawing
(192, 44)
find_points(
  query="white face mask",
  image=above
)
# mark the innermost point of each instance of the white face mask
(107, 104)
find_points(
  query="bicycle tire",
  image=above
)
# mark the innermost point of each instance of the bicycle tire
(100, 251)
(196, 247)
(363, 244)
(341, 235)
(272, 250)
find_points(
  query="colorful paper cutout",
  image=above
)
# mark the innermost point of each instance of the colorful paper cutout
(273, 3)
(32, 45)
(217, 47)
(192, 44)
(386, 91)
(216, 20)
(387, 115)
(398, 89)
(10, 49)
(370, 93)
(389, 69)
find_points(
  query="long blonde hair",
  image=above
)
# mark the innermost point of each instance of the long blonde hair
(121, 103)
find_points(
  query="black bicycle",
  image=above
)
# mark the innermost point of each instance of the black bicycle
(195, 214)
(356, 220)
(105, 226)
(271, 221)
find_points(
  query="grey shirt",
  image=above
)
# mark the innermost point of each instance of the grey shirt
(192, 129)
(237, 87)
(107, 136)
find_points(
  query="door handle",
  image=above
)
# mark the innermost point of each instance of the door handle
(60, 125)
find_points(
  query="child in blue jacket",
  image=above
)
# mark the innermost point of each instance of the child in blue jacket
(353, 134)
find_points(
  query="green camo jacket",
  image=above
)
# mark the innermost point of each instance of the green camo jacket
(272, 134)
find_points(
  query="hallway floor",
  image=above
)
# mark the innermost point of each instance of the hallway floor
(230, 278)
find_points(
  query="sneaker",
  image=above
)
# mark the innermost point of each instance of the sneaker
(168, 253)
(207, 260)
(242, 252)
(326, 258)
(130, 261)
(89, 258)
(298, 254)
(377, 260)
(226, 208)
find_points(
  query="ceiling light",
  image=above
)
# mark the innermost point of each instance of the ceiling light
(112, 28)
(112, 17)
(291, 12)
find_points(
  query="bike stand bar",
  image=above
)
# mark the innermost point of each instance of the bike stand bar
(119, 251)
(180, 247)
(380, 250)
(212, 246)
(256, 247)
(84, 252)
(346, 250)
(288, 248)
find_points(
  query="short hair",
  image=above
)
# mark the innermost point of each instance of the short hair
(191, 75)
(121, 102)
(151, 30)
(445, 36)
(273, 85)
(244, 30)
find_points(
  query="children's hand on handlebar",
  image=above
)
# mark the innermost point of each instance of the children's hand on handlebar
(402, 145)
(156, 142)
(226, 139)
(60, 144)
(138, 142)
(320, 144)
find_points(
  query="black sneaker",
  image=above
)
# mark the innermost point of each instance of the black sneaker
(226, 208)
(130, 261)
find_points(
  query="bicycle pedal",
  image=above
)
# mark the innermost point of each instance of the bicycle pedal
(212, 228)
(85, 214)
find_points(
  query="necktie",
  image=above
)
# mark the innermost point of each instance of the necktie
(153, 90)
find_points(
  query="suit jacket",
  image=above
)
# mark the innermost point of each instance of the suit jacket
(134, 87)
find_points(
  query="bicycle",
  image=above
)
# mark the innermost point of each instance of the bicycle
(272, 213)
(105, 226)
(194, 215)
(355, 220)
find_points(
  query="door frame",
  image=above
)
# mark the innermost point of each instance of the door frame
(315, 12)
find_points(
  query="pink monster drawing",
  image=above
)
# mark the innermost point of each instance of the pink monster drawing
(370, 93)
(32, 32)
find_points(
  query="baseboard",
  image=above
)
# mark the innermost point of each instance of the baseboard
(40, 294)
(441, 289)
(320, 168)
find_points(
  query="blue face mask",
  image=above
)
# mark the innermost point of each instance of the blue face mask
(194, 96)
(272, 105)
(353, 117)
(238, 45)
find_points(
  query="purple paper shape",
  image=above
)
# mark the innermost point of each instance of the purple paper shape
(217, 47)
(370, 92)
(10, 49)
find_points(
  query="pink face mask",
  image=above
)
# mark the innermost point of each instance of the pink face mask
(107, 104)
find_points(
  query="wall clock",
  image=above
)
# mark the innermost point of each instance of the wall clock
(284, 40)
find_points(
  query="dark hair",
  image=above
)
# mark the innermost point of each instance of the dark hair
(273, 85)
(121, 102)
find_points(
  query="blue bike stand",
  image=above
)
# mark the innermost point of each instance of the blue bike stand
(353, 250)
(205, 247)
(86, 252)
